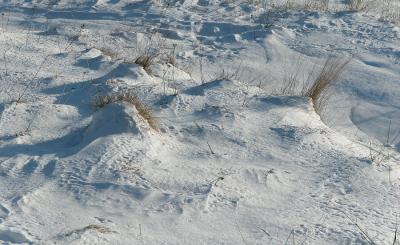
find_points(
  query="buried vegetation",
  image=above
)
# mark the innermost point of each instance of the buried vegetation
(145, 61)
(318, 82)
(319, 89)
(131, 98)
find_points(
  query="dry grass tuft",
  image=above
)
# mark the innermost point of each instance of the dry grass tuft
(149, 50)
(305, 5)
(322, 5)
(94, 227)
(129, 97)
(330, 73)
(108, 52)
(316, 82)
(171, 57)
(171, 60)
(145, 112)
(98, 228)
(227, 75)
(102, 101)
(145, 61)
(357, 5)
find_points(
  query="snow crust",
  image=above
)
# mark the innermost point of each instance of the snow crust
(234, 161)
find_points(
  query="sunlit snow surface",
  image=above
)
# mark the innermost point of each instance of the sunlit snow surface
(234, 161)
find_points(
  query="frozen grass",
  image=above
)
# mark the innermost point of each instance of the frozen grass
(151, 49)
(388, 10)
(94, 227)
(330, 73)
(315, 83)
(358, 5)
(131, 98)
(145, 61)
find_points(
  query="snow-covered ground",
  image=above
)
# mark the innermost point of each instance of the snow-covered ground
(234, 160)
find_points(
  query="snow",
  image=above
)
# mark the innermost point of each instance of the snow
(234, 161)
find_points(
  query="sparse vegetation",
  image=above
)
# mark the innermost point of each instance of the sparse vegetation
(151, 49)
(317, 83)
(386, 9)
(357, 5)
(317, 5)
(318, 90)
(381, 153)
(308, 5)
(230, 75)
(294, 83)
(377, 153)
(131, 98)
(145, 61)
(94, 227)
(110, 53)
(171, 58)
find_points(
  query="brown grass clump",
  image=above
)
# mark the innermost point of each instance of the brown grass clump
(130, 97)
(145, 61)
(108, 52)
(102, 101)
(322, 5)
(357, 5)
(94, 227)
(316, 82)
(98, 228)
(330, 73)
(306, 5)
(146, 113)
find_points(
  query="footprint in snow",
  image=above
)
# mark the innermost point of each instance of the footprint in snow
(4, 212)
(8, 236)
(49, 168)
(30, 167)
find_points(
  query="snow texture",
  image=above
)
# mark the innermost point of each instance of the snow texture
(234, 160)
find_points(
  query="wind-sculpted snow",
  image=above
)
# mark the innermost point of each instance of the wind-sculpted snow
(233, 158)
